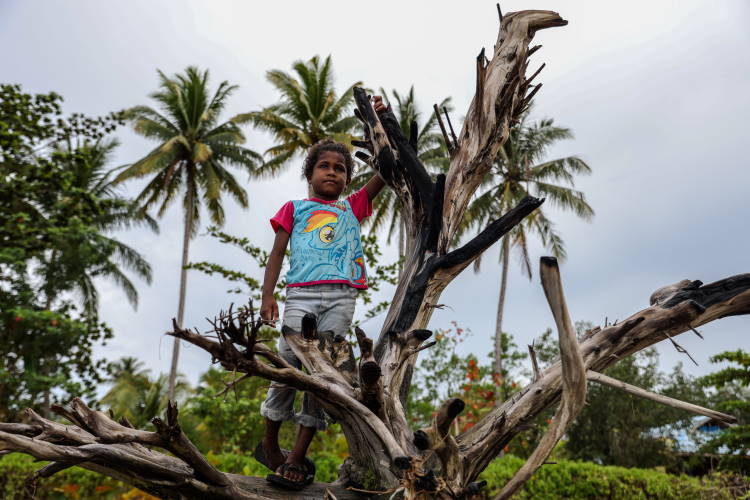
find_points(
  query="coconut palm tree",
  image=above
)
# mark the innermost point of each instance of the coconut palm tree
(90, 164)
(520, 169)
(138, 395)
(309, 111)
(190, 160)
(431, 150)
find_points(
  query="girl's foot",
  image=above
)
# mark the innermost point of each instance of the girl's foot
(292, 474)
(274, 455)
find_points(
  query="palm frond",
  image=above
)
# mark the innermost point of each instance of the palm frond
(238, 156)
(506, 184)
(88, 296)
(566, 198)
(154, 162)
(278, 164)
(229, 184)
(131, 260)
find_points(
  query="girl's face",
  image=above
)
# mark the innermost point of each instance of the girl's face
(329, 177)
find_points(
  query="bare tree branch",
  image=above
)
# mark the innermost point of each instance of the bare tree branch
(573, 379)
(658, 398)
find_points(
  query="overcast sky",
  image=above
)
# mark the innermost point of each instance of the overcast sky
(657, 94)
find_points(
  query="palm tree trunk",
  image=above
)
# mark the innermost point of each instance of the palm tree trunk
(48, 307)
(183, 281)
(50, 297)
(499, 322)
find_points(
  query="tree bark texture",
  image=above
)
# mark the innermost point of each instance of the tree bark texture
(367, 396)
(400, 243)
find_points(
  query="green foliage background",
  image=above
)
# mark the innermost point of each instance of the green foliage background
(568, 479)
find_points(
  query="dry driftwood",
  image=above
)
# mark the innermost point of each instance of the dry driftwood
(368, 398)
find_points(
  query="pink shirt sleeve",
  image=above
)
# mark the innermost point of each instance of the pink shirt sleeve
(361, 205)
(284, 218)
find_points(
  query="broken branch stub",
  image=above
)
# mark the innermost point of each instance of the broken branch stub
(437, 438)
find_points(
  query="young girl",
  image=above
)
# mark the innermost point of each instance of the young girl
(327, 269)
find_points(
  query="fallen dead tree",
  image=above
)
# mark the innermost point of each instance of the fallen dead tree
(367, 397)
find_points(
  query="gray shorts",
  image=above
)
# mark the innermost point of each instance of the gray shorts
(333, 304)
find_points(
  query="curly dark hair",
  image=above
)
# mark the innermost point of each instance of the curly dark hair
(324, 146)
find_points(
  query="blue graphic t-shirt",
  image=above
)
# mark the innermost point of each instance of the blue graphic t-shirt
(325, 241)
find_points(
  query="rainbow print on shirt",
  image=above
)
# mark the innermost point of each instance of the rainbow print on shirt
(319, 218)
(325, 245)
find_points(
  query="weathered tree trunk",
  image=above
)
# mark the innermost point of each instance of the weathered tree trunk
(367, 398)
(183, 278)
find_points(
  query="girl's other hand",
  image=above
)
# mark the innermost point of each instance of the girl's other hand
(377, 103)
(269, 310)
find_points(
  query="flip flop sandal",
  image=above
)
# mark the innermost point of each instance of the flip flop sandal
(260, 456)
(288, 483)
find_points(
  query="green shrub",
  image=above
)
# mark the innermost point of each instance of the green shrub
(80, 484)
(566, 480)
(73, 483)
(588, 481)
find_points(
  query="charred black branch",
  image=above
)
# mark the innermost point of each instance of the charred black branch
(442, 127)
(450, 125)
(408, 158)
(714, 293)
(474, 488)
(385, 158)
(363, 156)
(491, 234)
(463, 256)
(414, 136)
(367, 113)
(435, 223)
(364, 145)
(309, 326)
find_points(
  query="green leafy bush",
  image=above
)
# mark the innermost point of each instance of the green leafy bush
(586, 480)
(567, 480)
(79, 484)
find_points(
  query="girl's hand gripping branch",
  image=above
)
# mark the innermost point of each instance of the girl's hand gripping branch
(377, 103)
